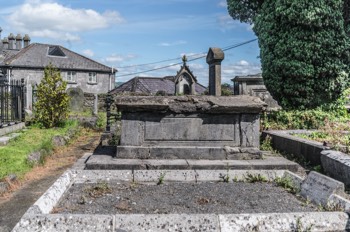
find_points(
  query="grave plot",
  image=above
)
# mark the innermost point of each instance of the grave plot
(180, 198)
(118, 200)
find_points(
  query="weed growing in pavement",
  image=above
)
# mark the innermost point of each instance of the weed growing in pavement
(334, 207)
(287, 184)
(299, 227)
(161, 178)
(306, 202)
(224, 178)
(98, 190)
(266, 144)
(253, 178)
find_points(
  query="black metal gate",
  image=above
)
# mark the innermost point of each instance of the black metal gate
(12, 102)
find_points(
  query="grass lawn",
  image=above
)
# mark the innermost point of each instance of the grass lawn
(13, 157)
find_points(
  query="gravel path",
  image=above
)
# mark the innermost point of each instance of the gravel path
(13, 207)
(206, 197)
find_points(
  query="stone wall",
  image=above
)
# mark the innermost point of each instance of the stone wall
(90, 98)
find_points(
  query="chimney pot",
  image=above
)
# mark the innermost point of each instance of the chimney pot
(26, 40)
(5, 42)
(11, 41)
(19, 41)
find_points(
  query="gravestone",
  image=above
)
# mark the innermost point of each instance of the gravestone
(77, 99)
(214, 58)
(320, 188)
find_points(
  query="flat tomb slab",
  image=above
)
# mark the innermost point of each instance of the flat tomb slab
(178, 198)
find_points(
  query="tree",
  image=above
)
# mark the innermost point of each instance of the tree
(52, 103)
(304, 48)
(226, 89)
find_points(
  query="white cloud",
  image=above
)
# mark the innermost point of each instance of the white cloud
(88, 53)
(223, 3)
(240, 68)
(52, 20)
(179, 42)
(117, 59)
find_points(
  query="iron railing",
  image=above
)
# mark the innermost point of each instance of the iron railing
(12, 102)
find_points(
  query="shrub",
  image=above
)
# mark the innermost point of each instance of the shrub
(51, 108)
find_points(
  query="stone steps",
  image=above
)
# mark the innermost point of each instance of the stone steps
(105, 162)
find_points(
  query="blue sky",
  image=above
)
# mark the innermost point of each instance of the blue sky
(124, 33)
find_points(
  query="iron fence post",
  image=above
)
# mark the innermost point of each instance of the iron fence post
(23, 94)
(108, 103)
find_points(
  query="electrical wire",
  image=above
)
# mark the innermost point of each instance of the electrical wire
(189, 60)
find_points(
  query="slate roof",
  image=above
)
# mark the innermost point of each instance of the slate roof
(36, 55)
(151, 85)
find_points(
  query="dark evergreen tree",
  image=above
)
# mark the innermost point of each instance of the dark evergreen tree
(304, 48)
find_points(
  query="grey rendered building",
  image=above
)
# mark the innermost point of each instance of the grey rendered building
(21, 59)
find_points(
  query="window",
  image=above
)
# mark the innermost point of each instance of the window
(92, 78)
(55, 51)
(70, 76)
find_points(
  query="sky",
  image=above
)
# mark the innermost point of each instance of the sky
(134, 36)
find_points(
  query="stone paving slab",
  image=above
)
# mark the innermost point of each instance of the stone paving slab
(171, 222)
(165, 175)
(316, 221)
(319, 221)
(83, 176)
(65, 222)
(238, 175)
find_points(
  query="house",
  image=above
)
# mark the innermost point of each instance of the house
(21, 59)
(183, 83)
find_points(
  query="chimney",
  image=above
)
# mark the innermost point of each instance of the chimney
(26, 40)
(5, 41)
(11, 41)
(19, 40)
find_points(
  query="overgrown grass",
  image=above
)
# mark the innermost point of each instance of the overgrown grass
(13, 157)
(335, 113)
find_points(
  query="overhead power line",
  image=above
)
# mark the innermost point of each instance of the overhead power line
(200, 56)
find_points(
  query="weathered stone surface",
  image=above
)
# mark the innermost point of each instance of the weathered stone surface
(214, 58)
(58, 141)
(3, 187)
(102, 162)
(94, 176)
(191, 104)
(34, 157)
(337, 165)
(12, 177)
(195, 128)
(319, 188)
(339, 203)
(77, 99)
(50, 198)
(65, 222)
(9, 129)
(171, 222)
(236, 175)
(319, 221)
(164, 175)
